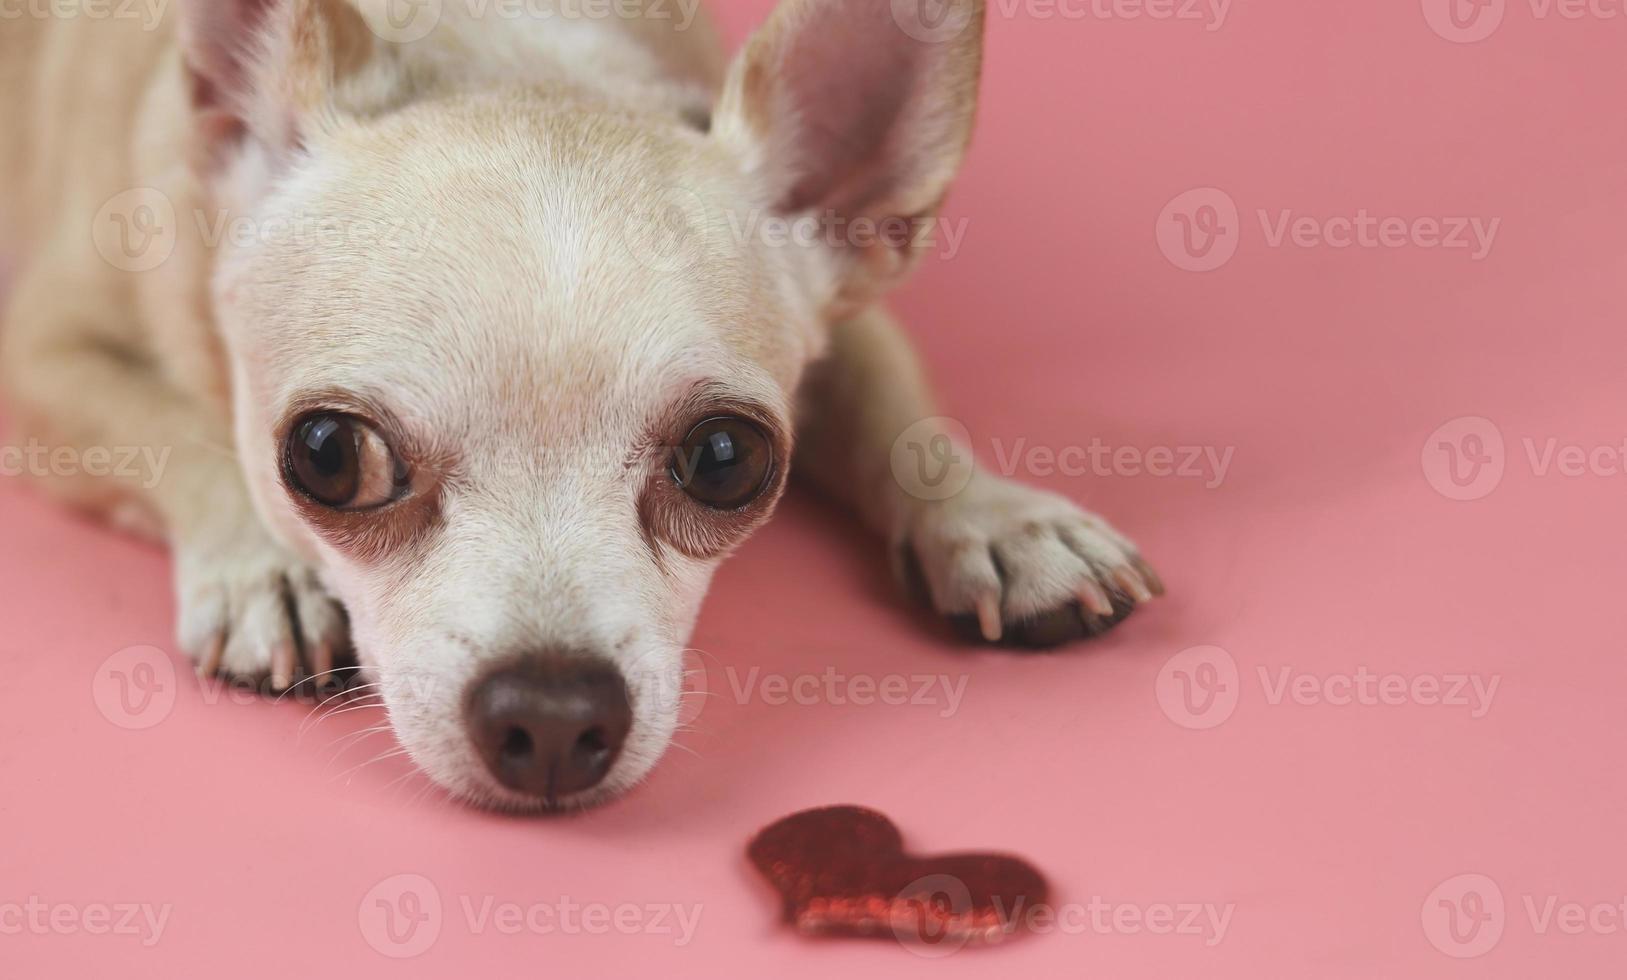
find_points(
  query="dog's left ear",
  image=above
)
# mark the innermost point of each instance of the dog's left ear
(857, 113)
(263, 74)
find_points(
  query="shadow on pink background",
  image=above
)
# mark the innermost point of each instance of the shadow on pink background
(1376, 729)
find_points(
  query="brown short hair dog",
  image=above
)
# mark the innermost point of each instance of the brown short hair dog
(459, 334)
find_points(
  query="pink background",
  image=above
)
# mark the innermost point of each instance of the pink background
(1327, 550)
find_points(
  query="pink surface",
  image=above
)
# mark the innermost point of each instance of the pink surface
(1337, 833)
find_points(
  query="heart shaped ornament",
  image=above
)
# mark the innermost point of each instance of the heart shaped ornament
(843, 871)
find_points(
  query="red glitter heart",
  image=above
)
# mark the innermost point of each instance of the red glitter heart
(842, 871)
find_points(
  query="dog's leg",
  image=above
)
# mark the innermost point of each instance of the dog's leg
(1016, 563)
(81, 389)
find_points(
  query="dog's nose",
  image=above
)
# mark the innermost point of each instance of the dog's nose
(549, 725)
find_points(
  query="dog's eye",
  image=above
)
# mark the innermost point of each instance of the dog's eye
(724, 463)
(342, 462)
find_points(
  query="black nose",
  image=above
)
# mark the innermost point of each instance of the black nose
(549, 725)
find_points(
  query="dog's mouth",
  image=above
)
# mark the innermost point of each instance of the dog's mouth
(493, 797)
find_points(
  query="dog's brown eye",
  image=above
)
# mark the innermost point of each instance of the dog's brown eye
(724, 463)
(342, 462)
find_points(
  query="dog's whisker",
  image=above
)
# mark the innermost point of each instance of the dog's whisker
(350, 774)
(424, 792)
(344, 743)
(353, 736)
(371, 703)
(679, 744)
(333, 754)
(311, 681)
(354, 691)
(385, 726)
(397, 781)
(373, 699)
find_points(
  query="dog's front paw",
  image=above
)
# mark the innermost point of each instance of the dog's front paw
(1021, 566)
(255, 615)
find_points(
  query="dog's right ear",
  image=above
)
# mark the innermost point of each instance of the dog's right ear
(857, 110)
(263, 73)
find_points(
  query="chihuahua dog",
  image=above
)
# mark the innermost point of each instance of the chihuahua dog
(496, 458)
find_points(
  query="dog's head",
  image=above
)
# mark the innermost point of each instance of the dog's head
(515, 363)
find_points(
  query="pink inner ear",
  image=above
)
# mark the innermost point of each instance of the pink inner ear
(846, 82)
(219, 40)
